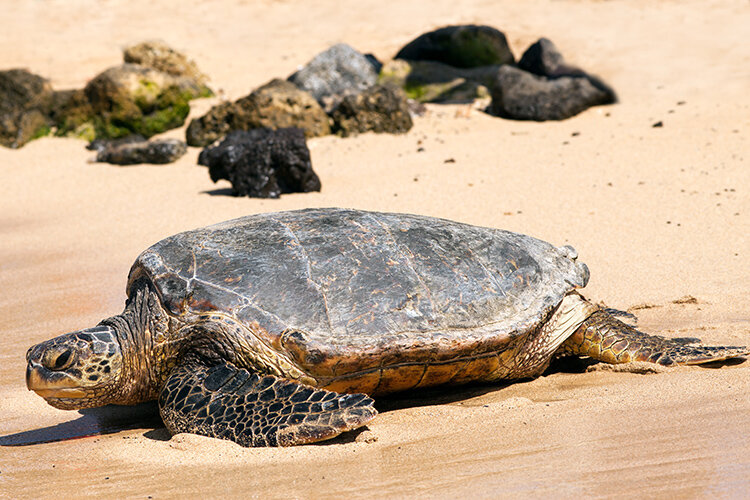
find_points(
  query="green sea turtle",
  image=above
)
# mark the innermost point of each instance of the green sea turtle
(275, 329)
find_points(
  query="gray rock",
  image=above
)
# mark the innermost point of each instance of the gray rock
(100, 145)
(521, 95)
(431, 81)
(542, 58)
(24, 103)
(262, 163)
(277, 104)
(133, 152)
(337, 72)
(380, 109)
(465, 46)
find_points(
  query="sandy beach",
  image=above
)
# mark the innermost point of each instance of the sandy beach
(661, 216)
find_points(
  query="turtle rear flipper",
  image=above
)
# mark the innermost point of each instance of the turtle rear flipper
(231, 403)
(608, 339)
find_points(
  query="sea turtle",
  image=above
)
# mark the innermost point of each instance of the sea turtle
(275, 329)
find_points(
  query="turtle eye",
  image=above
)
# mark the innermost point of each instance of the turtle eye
(62, 361)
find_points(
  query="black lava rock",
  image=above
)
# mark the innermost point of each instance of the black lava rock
(465, 46)
(262, 163)
(133, 152)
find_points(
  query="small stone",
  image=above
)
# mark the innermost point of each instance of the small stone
(100, 145)
(658, 125)
(335, 73)
(380, 109)
(687, 299)
(366, 436)
(464, 46)
(262, 163)
(160, 151)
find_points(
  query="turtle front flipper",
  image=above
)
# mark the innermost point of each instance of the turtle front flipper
(605, 338)
(231, 403)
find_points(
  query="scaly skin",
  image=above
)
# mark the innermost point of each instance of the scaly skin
(607, 339)
(227, 402)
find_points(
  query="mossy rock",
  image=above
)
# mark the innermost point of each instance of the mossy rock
(72, 114)
(132, 99)
(430, 81)
(465, 46)
(24, 103)
(160, 56)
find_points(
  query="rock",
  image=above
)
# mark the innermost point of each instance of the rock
(132, 151)
(542, 58)
(381, 108)
(335, 73)
(72, 114)
(277, 104)
(521, 95)
(24, 101)
(465, 46)
(160, 56)
(262, 163)
(100, 145)
(430, 81)
(133, 99)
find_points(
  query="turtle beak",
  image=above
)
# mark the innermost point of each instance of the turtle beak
(45, 375)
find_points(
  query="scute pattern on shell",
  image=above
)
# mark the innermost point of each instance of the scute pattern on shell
(341, 280)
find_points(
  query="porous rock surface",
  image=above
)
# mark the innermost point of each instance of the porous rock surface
(262, 163)
(380, 109)
(339, 71)
(277, 104)
(133, 152)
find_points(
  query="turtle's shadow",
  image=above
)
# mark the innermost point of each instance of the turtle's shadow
(92, 422)
(447, 395)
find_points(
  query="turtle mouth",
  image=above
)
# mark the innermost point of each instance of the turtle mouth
(51, 384)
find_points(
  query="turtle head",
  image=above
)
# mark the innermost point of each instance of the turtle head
(81, 369)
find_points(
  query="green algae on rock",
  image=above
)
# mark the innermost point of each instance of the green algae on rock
(133, 99)
(24, 100)
(431, 81)
(465, 46)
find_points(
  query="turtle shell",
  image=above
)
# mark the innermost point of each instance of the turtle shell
(342, 290)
